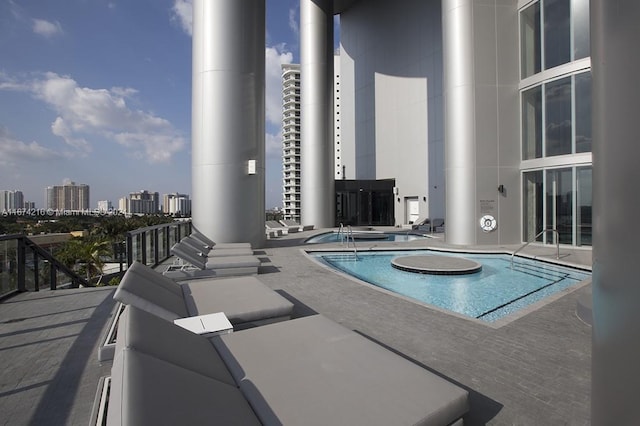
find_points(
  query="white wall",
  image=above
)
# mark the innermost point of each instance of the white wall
(391, 104)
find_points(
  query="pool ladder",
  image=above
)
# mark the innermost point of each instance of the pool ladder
(555, 231)
(345, 235)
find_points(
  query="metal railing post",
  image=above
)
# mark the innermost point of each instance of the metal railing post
(129, 249)
(36, 271)
(143, 247)
(53, 276)
(21, 285)
(155, 247)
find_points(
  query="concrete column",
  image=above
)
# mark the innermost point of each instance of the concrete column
(316, 103)
(616, 147)
(459, 122)
(228, 113)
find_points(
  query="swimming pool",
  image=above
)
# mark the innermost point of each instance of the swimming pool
(488, 295)
(335, 237)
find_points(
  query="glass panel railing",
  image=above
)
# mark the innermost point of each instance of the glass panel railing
(151, 245)
(8, 266)
(25, 266)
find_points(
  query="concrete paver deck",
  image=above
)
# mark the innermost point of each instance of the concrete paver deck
(533, 370)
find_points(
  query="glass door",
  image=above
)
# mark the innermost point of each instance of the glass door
(559, 205)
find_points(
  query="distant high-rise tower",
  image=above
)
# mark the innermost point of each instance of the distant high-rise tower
(11, 200)
(291, 141)
(175, 203)
(67, 196)
(143, 202)
(105, 206)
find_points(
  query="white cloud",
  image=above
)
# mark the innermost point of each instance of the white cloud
(182, 12)
(46, 28)
(84, 112)
(273, 145)
(293, 21)
(14, 151)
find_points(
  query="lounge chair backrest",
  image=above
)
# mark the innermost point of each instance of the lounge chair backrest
(203, 238)
(198, 246)
(147, 333)
(272, 224)
(159, 297)
(189, 256)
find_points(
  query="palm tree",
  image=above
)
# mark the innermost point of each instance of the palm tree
(85, 255)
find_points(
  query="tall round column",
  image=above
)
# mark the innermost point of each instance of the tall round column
(459, 122)
(317, 196)
(616, 292)
(228, 113)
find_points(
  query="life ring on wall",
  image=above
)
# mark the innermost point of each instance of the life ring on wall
(488, 223)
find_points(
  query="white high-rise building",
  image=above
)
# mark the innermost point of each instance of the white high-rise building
(105, 206)
(176, 204)
(11, 200)
(291, 141)
(68, 196)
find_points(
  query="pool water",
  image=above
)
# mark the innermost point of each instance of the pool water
(334, 237)
(491, 294)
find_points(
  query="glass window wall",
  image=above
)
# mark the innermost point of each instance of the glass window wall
(533, 213)
(558, 117)
(557, 32)
(530, 41)
(559, 199)
(563, 108)
(532, 123)
(583, 112)
(553, 33)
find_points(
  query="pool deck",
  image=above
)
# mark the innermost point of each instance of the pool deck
(531, 370)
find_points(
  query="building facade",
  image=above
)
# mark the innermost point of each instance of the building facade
(105, 206)
(142, 202)
(291, 141)
(68, 196)
(11, 200)
(460, 110)
(176, 204)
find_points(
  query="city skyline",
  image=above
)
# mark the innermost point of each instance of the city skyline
(115, 112)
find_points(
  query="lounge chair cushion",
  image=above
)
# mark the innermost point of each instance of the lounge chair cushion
(149, 391)
(161, 339)
(232, 262)
(340, 378)
(243, 299)
(197, 247)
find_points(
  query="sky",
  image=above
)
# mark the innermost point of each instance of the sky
(99, 92)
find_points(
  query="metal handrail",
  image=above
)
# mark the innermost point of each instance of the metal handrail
(346, 234)
(534, 238)
(353, 240)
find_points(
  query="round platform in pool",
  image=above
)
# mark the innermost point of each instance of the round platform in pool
(436, 265)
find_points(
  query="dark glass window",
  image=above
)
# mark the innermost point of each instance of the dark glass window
(558, 117)
(532, 123)
(530, 40)
(532, 211)
(581, 35)
(583, 112)
(557, 32)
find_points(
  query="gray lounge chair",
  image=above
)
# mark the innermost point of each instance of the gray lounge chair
(196, 265)
(272, 225)
(309, 371)
(246, 301)
(195, 245)
(209, 244)
(292, 224)
(422, 224)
